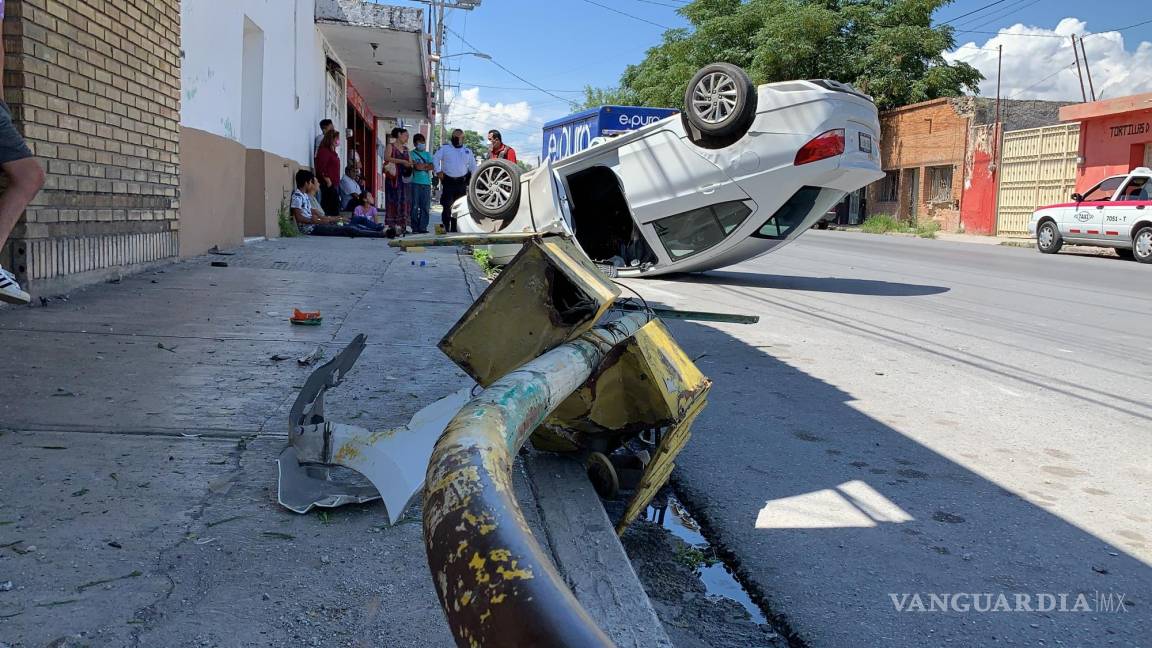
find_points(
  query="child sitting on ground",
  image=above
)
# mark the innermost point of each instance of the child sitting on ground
(365, 215)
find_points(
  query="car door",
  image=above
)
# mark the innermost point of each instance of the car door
(1131, 204)
(1086, 222)
(662, 176)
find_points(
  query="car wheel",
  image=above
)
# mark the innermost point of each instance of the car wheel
(1142, 245)
(1048, 238)
(494, 192)
(720, 101)
(1125, 253)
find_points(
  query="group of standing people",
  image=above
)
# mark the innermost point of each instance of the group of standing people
(409, 174)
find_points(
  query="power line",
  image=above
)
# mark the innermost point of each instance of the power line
(497, 64)
(624, 13)
(974, 11)
(661, 4)
(1102, 31)
(1022, 91)
(1003, 14)
(494, 87)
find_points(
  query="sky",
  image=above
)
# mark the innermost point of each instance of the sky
(563, 45)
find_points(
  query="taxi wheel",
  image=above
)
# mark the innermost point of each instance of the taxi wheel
(1048, 238)
(1142, 245)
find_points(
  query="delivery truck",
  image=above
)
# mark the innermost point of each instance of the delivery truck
(572, 134)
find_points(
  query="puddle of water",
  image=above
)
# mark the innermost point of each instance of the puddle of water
(717, 579)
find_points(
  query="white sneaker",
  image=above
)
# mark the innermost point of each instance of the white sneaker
(10, 290)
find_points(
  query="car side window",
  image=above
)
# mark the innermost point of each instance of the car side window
(1137, 189)
(694, 231)
(1104, 190)
(797, 209)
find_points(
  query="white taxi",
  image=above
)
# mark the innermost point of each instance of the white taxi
(1116, 213)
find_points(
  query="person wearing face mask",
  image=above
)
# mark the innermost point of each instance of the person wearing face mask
(422, 166)
(455, 164)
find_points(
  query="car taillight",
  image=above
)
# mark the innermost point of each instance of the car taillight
(826, 145)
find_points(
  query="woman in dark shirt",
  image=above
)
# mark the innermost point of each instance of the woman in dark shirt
(328, 171)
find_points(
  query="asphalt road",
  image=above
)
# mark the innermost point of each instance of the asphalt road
(925, 417)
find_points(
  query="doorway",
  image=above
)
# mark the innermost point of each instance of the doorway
(603, 222)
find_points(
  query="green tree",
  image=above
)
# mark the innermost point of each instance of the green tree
(473, 140)
(886, 48)
(596, 97)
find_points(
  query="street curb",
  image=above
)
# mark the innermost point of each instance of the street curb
(587, 552)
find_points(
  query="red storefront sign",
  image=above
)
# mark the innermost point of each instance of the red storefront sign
(356, 100)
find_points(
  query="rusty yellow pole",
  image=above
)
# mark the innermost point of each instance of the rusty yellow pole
(496, 584)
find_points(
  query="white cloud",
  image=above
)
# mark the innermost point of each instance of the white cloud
(520, 124)
(1039, 63)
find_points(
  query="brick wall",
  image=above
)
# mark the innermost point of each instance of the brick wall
(915, 139)
(94, 85)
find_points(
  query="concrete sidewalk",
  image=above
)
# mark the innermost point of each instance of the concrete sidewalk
(140, 426)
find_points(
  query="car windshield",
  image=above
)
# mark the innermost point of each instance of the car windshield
(694, 231)
(802, 204)
(1104, 190)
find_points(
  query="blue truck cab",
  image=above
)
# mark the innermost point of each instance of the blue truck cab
(570, 135)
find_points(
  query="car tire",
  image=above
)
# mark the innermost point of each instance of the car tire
(720, 102)
(1125, 253)
(494, 192)
(1142, 245)
(1048, 238)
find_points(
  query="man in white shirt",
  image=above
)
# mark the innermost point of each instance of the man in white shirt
(455, 164)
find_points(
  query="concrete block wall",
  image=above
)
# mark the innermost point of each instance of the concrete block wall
(94, 85)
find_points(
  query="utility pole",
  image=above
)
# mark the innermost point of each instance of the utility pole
(437, 9)
(441, 104)
(1079, 72)
(1088, 70)
(999, 131)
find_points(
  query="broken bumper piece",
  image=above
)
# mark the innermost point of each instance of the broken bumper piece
(316, 445)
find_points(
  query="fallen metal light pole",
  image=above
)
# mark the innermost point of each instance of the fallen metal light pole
(485, 563)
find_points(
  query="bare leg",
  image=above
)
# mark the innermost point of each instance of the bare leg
(25, 178)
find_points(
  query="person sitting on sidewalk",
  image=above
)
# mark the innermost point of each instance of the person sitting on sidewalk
(365, 215)
(310, 218)
(307, 215)
(350, 189)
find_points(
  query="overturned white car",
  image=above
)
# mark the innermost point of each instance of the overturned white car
(741, 172)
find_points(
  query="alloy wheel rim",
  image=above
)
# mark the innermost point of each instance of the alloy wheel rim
(715, 97)
(1046, 236)
(494, 187)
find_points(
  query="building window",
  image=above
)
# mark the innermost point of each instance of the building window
(940, 184)
(890, 187)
